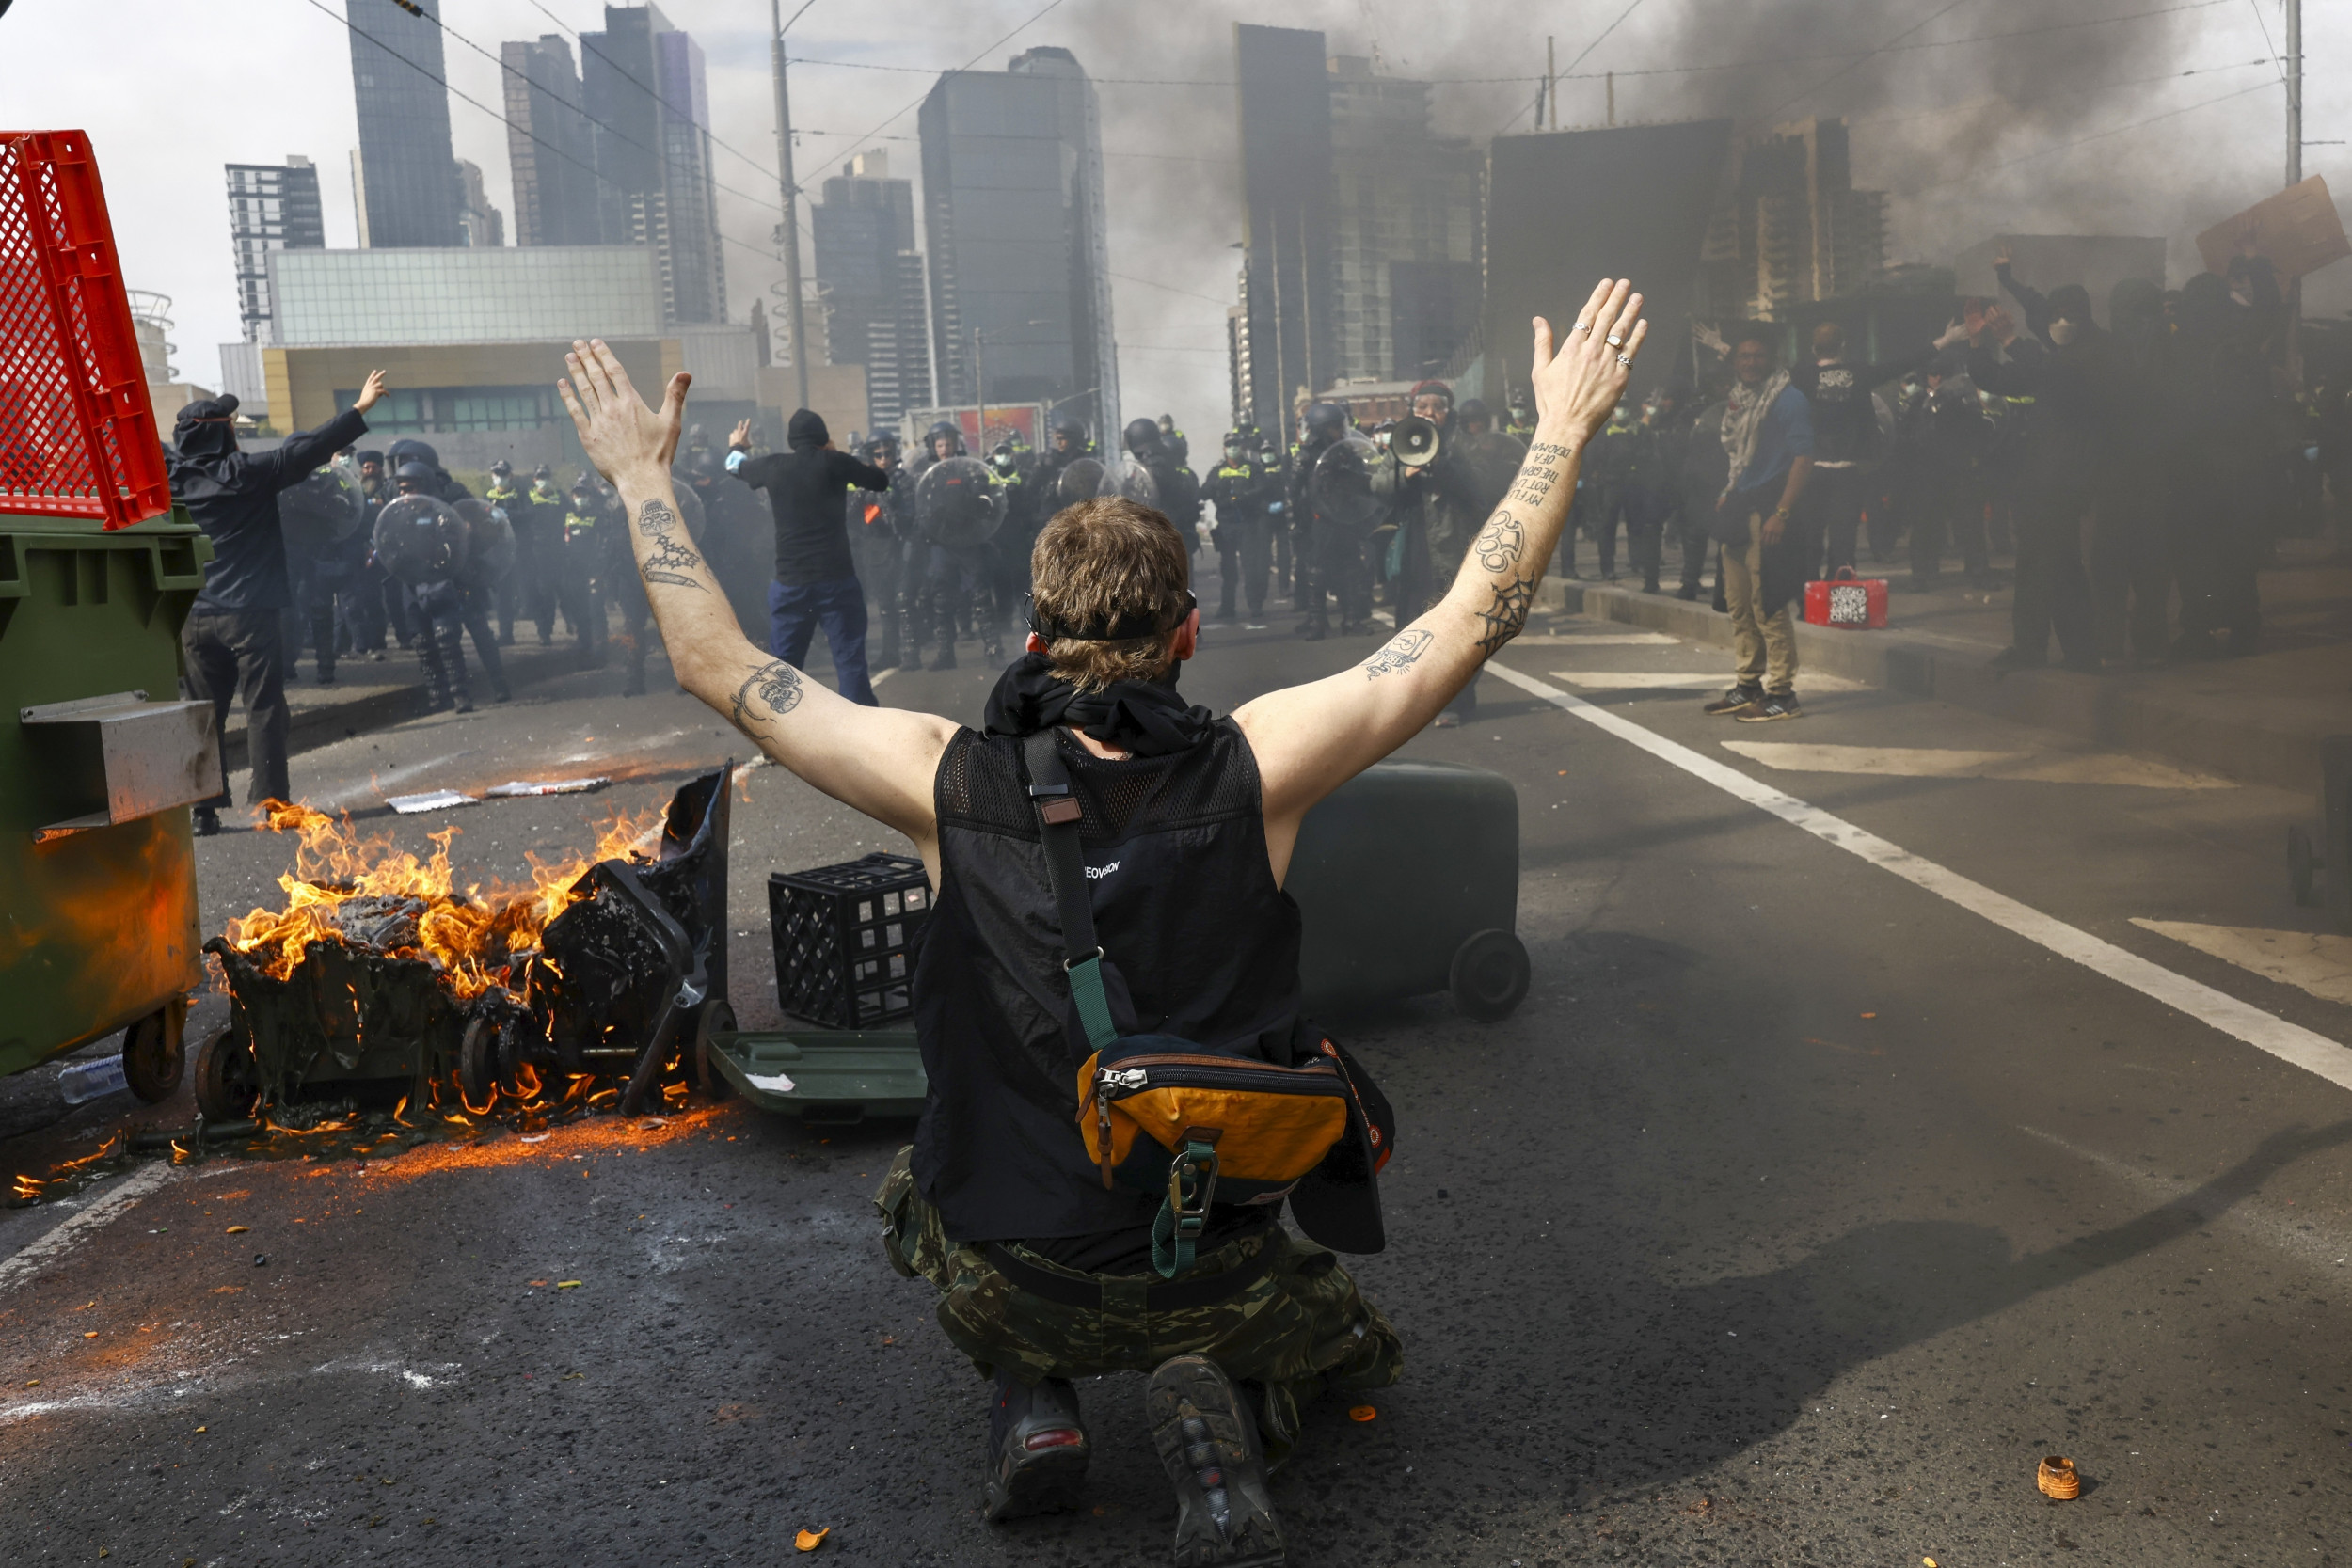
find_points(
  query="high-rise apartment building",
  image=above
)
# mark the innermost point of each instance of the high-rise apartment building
(1363, 233)
(1795, 229)
(645, 94)
(1014, 217)
(405, 174)
(1406, 217)
(871, 271)
(550, 144)
(271, 206)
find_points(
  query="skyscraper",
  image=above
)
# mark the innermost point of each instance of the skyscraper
(872, 275)
(271, 206)
(1014, 211)
(482, 224)
(406, 170)
(549, 144)
(1286, 215)
(643, 92)
(1796, 229)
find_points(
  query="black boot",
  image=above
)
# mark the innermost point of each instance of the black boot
(1209, 1445)
(1037, 1449)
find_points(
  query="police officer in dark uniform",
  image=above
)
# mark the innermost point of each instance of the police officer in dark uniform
(504, 494)
(1179, 492)
(538, 519)
(1941, 435)
(445, 610)
(1280, 525)
(1245, 492)
(956, 577)
(1330, 557)
(578, 561)
(881, 527)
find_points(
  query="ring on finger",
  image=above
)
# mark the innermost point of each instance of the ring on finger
(1625, 359)
(1584, 326)
(1616, 341)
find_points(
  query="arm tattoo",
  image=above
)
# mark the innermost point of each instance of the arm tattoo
(1506, 615)
(1550, 448)
(1402, 650)
(1499, 545)
(671, 558)
(774, 686)
(1535, 482)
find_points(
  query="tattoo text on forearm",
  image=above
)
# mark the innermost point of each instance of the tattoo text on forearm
(1403, 650)
(775, 687)
(669, 558)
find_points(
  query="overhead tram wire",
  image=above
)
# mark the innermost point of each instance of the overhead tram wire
(651, 153)
(1596, 75)
(1578, 61)
(873, 134)
(715, 139)
(1937, 15)
(455, 92)
(2078, 141)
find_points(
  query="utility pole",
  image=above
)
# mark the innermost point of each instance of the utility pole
(793, 325)
(1612, 98)
(1551, 82)
(2295, 176)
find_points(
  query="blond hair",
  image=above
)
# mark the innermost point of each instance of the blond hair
(1102, 563)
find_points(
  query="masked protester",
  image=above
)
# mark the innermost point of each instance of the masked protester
(2218, 394)
(1103, 868)
(234, 638)
(2062, 456)
(816, 579)
(1940, 441)
(1846, 437)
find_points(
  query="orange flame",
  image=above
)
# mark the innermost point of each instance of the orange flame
(468, 934)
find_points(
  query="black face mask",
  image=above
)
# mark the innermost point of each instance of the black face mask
(1146, 719)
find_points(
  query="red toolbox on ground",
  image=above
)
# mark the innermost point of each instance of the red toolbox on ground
(1854, 604)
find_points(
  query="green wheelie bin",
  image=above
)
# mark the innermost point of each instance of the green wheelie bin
(99, 763)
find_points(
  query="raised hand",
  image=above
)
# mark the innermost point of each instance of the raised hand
(371, 391)
(620, 434)
(741, 435)
(1579, 381)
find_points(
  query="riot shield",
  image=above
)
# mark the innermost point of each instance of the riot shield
(1135, 482)
(1352, 489)
(956, 502)
(489, 542)
(323, 510)
(420, 540)
(1080, 480)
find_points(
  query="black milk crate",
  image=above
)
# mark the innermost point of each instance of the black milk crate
(843, 934)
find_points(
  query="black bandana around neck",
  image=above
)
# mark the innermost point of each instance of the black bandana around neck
(1146, 719)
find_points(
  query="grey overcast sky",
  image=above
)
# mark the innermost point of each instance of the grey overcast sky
(1964, 113)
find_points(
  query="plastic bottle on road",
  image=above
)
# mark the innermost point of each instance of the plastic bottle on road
(87, 1081)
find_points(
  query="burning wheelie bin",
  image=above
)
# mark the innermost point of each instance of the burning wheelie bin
(99, 761)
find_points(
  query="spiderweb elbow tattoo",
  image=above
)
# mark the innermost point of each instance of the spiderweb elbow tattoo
(1505, 615)
(671, 558)
(769, 691)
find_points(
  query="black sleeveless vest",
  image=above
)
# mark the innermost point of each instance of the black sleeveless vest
(1199, 943)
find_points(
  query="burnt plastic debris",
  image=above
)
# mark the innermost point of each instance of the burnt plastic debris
(621, 983)
(627, 977)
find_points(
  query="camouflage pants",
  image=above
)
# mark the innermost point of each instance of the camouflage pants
(1302, 1329)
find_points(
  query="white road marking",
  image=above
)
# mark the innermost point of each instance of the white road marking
(1596, 639)
(1929, 762)
(876, 680)
(2290, 1042)
(2312, 960)
(67, 1234)
(1687, 680)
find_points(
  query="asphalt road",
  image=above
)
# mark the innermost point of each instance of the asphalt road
(1797, 1214)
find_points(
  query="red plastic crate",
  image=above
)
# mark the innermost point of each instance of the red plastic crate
(1847, 602)
(77, 433)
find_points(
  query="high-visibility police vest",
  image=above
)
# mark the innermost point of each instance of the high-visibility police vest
(578, 525)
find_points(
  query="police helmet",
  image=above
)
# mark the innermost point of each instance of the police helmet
(543, 474)
(413, 474)
(1142, 433)
(1327, 421)
(501, 467)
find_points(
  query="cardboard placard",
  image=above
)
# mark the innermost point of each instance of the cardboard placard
(2297, 229)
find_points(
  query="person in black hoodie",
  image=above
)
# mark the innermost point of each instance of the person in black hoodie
(234, 638)
(2069, 369)
(1845, 444)
(815, 584)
